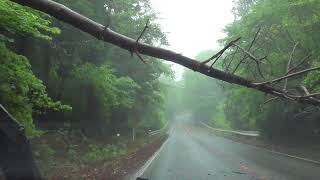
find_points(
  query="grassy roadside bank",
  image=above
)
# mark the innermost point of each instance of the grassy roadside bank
(74, 157)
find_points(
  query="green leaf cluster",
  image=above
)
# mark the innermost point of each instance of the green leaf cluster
(23, 21)
(281, 24)
(103, 153)
(21, 92)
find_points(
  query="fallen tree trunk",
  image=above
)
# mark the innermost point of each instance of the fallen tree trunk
(102, 32)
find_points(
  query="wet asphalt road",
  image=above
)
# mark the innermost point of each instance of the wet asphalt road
(192, 152)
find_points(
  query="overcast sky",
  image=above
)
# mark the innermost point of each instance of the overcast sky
(193, 26)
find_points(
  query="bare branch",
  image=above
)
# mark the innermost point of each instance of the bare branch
(305, 90)
(263, 58)
(251, 44)
(222, 50)
(238, 65)
(230, 62)
(139, 56)
(227, 61)
(246, 55)
(301, 113)
(143, 31)
(290, 76)
(251, 56)
(259, 70)
(288, 65)
(311, 95)
(216, 60)
(254, 39)
(271, 99)
(137, 42)
(299, 64)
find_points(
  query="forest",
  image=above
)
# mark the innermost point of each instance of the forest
(67, 87)
(285, 33)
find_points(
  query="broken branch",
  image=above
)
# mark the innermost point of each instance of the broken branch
(271, 99)
(288, 65)
(140, 57)
(311, 95)
(289, 76)
(251, 56)
(222, 51)
(143, 31)
(299, 64)
(305, 90)
(251, 44)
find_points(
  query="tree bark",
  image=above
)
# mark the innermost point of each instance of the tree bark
(99, 31)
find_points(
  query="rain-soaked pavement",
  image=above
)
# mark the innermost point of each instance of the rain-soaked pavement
(193, 153)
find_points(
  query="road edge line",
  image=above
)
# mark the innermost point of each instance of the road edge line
(287, 155)
(149, 161)
(230, 131)
(274, 152)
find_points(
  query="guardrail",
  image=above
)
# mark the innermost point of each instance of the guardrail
(152, 133)
(243, 133)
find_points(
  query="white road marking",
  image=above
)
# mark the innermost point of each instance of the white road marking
(287, 155)
(171, 130)
(148, 163)
(276, 152)
(230, 131)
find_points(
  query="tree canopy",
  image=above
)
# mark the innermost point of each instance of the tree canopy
(284, 34)
(106, 89)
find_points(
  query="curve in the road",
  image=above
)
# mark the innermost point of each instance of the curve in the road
(192, 152)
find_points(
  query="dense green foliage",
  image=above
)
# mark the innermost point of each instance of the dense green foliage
(77, 96)
(109, 91)
(21, 91)
(99, 153)
(23, 21)
(66, 87)
(281, 25)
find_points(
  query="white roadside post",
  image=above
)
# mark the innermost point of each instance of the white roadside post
(133, 134)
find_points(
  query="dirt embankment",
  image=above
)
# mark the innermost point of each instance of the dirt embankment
(119, 168)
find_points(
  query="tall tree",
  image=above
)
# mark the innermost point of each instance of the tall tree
(21, 92)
